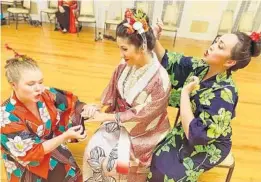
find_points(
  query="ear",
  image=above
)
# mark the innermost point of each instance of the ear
(143, 49)
(229, 63)
(13, 85)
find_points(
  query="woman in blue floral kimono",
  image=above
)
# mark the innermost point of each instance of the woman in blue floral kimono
(35, 123)
(204, 91)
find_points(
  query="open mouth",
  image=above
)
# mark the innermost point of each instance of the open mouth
(37, 96)
(126, 60)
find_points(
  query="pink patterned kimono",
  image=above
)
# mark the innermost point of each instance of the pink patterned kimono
(140, 96)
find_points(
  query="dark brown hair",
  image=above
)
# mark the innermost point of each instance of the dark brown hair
(244, 50)
(135, 38)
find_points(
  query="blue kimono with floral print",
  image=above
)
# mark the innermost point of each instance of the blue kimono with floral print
(178, 158)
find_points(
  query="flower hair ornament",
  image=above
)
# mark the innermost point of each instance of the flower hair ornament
(255, 36)
(137, 22)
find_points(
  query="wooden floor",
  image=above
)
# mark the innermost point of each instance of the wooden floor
(84, 67)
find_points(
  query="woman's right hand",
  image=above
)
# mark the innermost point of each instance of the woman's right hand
(75, 133)
(157, 29)
(61, 9)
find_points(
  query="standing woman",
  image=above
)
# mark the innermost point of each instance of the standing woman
(204, 91)
(136, 118)
(66, 15)
(35, 123)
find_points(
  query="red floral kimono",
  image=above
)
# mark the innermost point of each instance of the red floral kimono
(22, 135)
(140, 97)
(72, 4)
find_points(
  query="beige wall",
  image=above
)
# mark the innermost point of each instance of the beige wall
(232, 5)
(201, 19)
(34, 7)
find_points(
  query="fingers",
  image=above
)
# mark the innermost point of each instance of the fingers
(160, 24)
(89, 120)
(194, 80)
(93, 111)
(83, 136)
(75, 128)
(78, 132)
(89, 111)
(96, 114)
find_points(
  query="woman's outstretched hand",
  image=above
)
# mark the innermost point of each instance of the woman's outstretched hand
(98, 117)
(75, 133)
(89, 111)
(157, 29)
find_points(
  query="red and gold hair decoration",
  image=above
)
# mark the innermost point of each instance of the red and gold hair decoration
(255, 36)
(136, 21)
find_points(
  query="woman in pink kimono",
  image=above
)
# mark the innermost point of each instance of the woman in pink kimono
(135, 120)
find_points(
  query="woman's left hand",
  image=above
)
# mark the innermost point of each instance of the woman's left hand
(193, 84)
(89, 110)
(61, 9)
(98, 116)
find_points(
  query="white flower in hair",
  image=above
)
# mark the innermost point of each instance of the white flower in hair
(138, 26)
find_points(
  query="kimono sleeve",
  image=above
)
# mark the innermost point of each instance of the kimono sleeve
(178, 67)
(217, 111)
(16, 140)
(110, 92)
(24, 147)
(69, 108)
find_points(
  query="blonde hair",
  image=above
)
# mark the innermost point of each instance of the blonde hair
(15, 66)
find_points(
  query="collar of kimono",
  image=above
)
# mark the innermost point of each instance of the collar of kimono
(22, 108)
(142, 82)
(219, 79)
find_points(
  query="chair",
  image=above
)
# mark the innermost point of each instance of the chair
(170, 20)
(144, 6)
(228, 162)
(113, 18)
(50, 11)
(86, 14)
(246, 22)
(25, 10)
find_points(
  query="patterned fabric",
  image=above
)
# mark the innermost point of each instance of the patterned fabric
(178, 158)
(22, 135)
(143, 114)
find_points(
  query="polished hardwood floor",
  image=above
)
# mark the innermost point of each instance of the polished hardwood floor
(83, 66)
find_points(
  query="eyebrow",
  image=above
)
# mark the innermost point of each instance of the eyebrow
(33, 81)
(223, 43)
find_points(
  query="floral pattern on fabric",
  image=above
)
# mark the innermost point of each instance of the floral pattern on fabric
(178, 158)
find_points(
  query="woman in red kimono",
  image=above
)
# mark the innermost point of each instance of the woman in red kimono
(35, 124)
(136, 117)
(66, 15)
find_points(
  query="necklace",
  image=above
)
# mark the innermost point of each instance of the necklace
(132, 77)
